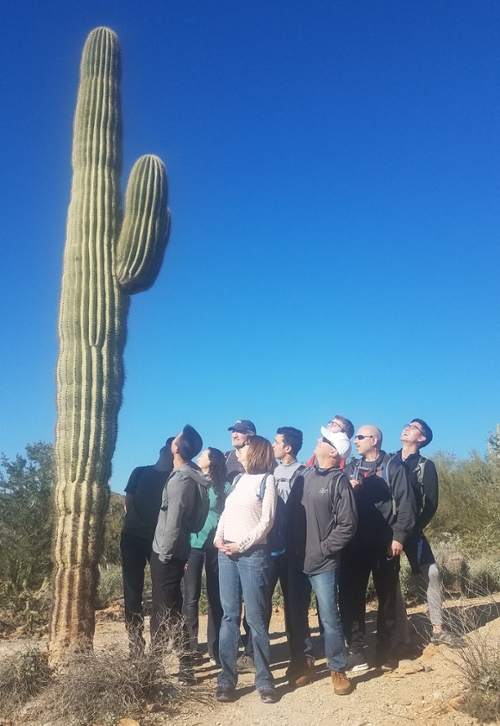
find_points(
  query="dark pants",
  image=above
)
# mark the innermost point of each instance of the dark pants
(192, 592)
(355, 567)
(136, 553)
(166, 615)
(278, 571)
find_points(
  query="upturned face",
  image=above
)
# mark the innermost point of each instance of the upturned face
(203, 460)
(326, 453)
(336, 425)
(412, 434)
(239, 439)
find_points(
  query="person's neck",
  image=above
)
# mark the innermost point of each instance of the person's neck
(327, 462)
(164, 463)
(372, 455)
(408, 450)
(288, 459)
(206, 470)
(179, 461)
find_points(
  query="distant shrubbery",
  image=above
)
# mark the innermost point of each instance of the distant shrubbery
(467, 522)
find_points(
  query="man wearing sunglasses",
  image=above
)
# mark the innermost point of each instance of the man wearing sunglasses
(423, 478)
(321, 520)
(338, 424)
(386, 518)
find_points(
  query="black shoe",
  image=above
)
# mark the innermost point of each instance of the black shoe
(268, 695)
(224, 694)
(356, 663)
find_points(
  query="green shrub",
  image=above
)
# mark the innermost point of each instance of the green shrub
(110, 586)
(26, 525)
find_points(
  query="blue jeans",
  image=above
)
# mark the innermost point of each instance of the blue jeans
(325, 588)
(244, 576)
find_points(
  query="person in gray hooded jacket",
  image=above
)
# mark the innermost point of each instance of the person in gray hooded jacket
(172, 544)
(321, 520)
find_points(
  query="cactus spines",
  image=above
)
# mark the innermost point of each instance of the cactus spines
(107, 258)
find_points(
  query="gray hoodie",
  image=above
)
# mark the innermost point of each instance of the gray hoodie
(173, 532)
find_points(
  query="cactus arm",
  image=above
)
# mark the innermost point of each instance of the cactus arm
(144, 235)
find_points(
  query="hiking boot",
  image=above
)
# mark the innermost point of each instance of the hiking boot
(224, 694)
(444, 636)
(341, 684)
(306, 675)
(245, 664)
(356, 663)
(268, 695)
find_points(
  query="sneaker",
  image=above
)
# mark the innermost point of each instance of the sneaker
(444, 636)
(268, 695)
(341, 684)
(214, 661)
(386, 663)
(245, 664)
(224, 694)
(356, 663)
(303, 677)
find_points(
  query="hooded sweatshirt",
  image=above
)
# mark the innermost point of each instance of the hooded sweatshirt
(172, 538)
(321, 519)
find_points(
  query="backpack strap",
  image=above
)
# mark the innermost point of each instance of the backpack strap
(236, 480)
(419, 472)
(382, 472)
(263, 487)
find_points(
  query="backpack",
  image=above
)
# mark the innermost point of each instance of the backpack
(419, 471)
(276, 535)
(382, 473)
(201, 507)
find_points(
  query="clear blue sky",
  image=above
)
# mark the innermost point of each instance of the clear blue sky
(334, 173)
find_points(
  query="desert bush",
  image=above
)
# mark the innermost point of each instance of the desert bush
(23, 675)
(479, 663)
(113, 523)
(26, 525)
(110, 586)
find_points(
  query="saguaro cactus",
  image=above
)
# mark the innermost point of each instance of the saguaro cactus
(107, 257)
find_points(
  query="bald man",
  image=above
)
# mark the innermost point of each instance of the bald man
(386, 518)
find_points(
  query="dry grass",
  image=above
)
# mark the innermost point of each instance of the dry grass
(23, 675)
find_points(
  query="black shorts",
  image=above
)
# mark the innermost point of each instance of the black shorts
(418, 551)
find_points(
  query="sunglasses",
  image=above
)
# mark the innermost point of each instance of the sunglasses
(360, 437)
(325, 441)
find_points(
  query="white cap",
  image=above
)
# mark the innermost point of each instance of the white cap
(339, 440)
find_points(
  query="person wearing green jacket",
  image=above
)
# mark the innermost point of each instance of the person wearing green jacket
(212, 463)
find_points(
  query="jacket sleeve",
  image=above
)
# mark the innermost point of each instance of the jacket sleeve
(345, 516)
(266, 521)
(431, 494)
(405, 502)
(180, 502)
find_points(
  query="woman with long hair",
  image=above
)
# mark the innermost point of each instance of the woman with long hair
(203, 552)
(244, 567)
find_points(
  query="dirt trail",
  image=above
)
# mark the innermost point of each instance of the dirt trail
(422, 691)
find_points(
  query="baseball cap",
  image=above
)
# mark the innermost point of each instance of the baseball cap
(243, 426)
(339, 440)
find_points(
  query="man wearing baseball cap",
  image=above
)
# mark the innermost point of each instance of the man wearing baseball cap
(241, 431)
(321, 519)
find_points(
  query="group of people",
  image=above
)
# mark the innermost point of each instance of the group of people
(322, 526)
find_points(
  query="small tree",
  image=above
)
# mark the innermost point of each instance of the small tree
(26, 525)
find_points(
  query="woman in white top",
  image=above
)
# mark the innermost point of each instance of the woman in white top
(244, 564)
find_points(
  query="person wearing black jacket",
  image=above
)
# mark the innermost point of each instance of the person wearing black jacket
(423, 478)
(386, 518)
(321, 520)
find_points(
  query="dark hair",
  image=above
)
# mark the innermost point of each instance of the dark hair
(190, 443)
(168, 447)
(348, 425)
(426, 431)
(260, 456)
(291, 437)
(217, 470)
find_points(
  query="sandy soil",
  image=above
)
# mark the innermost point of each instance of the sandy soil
(424, 690)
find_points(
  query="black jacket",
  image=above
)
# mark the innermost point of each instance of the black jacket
(426, 500)
(385, 501)
(321, 519)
